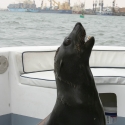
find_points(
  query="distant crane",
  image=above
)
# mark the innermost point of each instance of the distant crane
(113, 3)
(69, 2)
(55, 2)
(102, 3)
(50, 4)
(42, 4)
(93, 5)
(113, 6)
(96, 5)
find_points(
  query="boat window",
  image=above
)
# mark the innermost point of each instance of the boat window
(109, 102)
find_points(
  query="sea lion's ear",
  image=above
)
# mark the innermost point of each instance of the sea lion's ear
(89, 44)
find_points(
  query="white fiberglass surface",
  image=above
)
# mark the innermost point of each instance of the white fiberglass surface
(48, 75)
(96, 72)
(108, 72)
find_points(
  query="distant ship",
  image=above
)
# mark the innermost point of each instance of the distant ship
(56, 11)
(30, 6)
(26, 6)
(107, 11)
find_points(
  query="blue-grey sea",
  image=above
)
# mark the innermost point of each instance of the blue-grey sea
(38, 29)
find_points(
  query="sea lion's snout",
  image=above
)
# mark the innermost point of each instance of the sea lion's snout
(80, 27)
(79, 35)
(80, 32)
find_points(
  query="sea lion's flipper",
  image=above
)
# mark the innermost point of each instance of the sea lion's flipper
(43, 122)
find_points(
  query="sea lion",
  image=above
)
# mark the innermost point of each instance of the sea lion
(77, 101)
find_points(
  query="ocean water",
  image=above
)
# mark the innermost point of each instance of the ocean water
(38, 29)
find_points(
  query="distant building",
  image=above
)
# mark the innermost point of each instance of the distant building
(89, 12)
(116, 9)
(77, 8)
(122, 10)
(119, 11)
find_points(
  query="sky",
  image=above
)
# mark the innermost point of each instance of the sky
(88, 3)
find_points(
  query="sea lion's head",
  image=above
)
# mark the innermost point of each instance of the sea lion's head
(72, 57)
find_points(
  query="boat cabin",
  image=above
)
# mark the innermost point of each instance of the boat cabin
(28, 87)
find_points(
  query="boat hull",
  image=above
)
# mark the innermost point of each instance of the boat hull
(104, 13)
(41, 11)
(57, 11)
(24, 10)
(17, 10)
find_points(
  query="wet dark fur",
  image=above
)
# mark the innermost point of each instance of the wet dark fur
(77, 101)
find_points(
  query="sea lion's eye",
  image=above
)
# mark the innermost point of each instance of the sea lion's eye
(67, 42)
